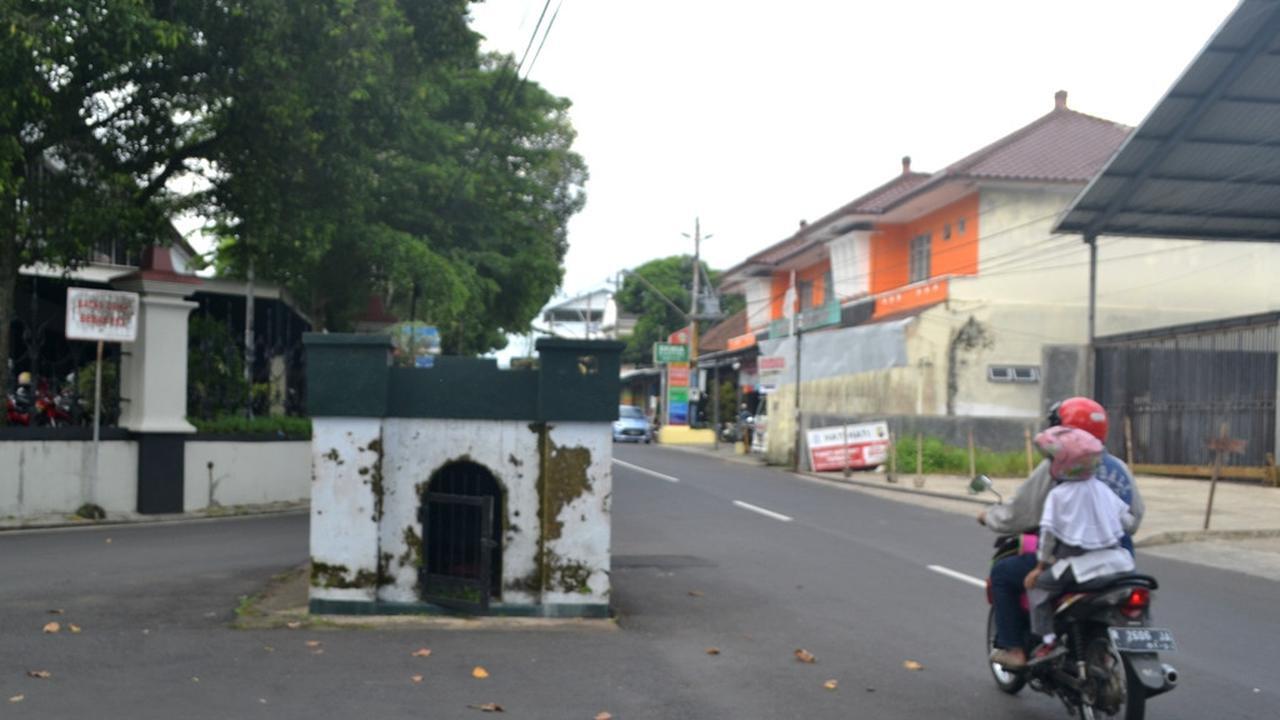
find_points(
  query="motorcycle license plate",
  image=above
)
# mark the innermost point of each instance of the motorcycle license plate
(1141, 639)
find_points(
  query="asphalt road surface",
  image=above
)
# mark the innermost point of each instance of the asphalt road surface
(707, 554)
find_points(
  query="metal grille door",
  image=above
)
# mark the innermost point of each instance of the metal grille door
(457, 550)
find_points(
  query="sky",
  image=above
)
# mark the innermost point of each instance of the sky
(753, 116)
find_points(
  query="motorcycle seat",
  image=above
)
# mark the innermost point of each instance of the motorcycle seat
(1106, 582)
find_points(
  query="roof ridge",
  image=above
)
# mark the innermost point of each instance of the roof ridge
(958, 167)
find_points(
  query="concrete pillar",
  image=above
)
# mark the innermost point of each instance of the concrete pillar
(153, 379)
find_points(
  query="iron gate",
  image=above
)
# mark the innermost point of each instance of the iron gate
(1177, 386)
(457, 547)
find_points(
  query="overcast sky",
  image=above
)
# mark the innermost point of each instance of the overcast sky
(755, 115)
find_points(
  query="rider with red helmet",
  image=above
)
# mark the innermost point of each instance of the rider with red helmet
(1022, 514)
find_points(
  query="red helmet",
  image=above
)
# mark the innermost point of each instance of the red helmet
(1081, 413)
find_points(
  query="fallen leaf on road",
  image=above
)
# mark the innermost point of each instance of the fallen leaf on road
(17, 698)
(831, 684)
(108, 541)
(695, 593)
(912, 665)
(713, 651)
(487, 707)
(293, 625)
(603, 716)
(416, 678)
(313, 643)
(805, 656)
(74, 628)
(268, 648)
(52, 627)
(58, 611)
(479, 673)
(39, 674)
(422, 652)
(195, 679)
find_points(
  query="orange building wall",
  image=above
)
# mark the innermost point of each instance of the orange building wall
(816, 274)
(891, 245)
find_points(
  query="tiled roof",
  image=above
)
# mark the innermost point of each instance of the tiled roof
(1063, 146)
(883, 197)
(717, 338)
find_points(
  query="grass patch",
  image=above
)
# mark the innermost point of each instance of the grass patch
(293, 428)
(940, 458)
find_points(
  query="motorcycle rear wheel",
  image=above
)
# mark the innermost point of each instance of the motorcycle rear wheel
(1008, 682)
(1103, 656)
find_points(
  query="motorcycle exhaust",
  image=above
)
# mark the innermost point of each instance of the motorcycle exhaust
(1170, 675)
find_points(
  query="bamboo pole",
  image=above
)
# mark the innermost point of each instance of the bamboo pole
(1217, 470)
(1128, 440)
(919, 460)
(973, 456)
(1026, 434)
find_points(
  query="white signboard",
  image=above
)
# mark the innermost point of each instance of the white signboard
(853, 446)
(105, 315)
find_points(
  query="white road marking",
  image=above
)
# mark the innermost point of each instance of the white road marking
(958, 576)
(762, 511)
(646, 471)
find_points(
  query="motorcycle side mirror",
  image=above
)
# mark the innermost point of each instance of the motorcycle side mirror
(981, 484)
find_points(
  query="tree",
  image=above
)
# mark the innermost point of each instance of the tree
(670, 281)
(394, 159)
(94, 112)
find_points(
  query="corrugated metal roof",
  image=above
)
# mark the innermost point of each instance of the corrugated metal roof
(1205, 163)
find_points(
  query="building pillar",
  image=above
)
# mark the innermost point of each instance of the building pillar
(153, 380)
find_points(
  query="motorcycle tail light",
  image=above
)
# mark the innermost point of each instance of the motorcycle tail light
(1136, 602)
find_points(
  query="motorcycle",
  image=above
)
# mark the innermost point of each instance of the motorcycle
(1111, 664)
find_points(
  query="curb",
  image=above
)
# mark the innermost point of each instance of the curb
(893, 488)
(706, 451)
(167, 519)
(1180, 536)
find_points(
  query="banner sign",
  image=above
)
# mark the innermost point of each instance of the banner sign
(861, 445)
(670, 353)
(105, 315)
(772, 364)
(678, 393)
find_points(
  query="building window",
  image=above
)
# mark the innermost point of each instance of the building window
(920, 245)
(1013, 373)
(960, 226)
(804, 289)
(946, 231)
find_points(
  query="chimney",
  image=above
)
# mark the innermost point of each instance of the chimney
(906, 164)
(1060, 100)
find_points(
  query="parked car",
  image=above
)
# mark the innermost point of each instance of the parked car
(632, 425)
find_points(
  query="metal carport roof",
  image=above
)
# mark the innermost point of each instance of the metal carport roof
(1205, 163)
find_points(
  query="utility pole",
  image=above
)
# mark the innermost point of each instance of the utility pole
(693, 304)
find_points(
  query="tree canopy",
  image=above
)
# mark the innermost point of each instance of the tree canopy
(670, 278)
(344, 148)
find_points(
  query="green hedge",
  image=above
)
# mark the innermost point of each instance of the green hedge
(942, 459)
(298, 428)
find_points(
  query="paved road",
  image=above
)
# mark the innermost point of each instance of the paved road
(703, 558)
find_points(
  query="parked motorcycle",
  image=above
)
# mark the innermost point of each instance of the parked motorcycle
(1111, 666)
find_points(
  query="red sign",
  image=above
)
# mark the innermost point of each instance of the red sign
(678, 374)
(854, 446)
(741, 341)
(679, 337)
(772, 363)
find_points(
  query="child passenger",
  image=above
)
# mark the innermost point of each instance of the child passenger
(1080, 529)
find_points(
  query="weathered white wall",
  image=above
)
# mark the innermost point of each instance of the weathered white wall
(414, 449)
(45, 477)
(345, 457)
(1142, 283)
(578, 557)
(851, 263)
(245, 473)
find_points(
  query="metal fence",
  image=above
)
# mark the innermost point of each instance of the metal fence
(1175, 388)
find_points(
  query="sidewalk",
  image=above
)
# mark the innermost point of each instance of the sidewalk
(68, 520)
(1175, 506)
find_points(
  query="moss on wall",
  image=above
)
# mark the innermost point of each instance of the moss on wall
(340, 576)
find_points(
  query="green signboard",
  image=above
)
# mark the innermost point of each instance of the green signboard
(669, 353)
